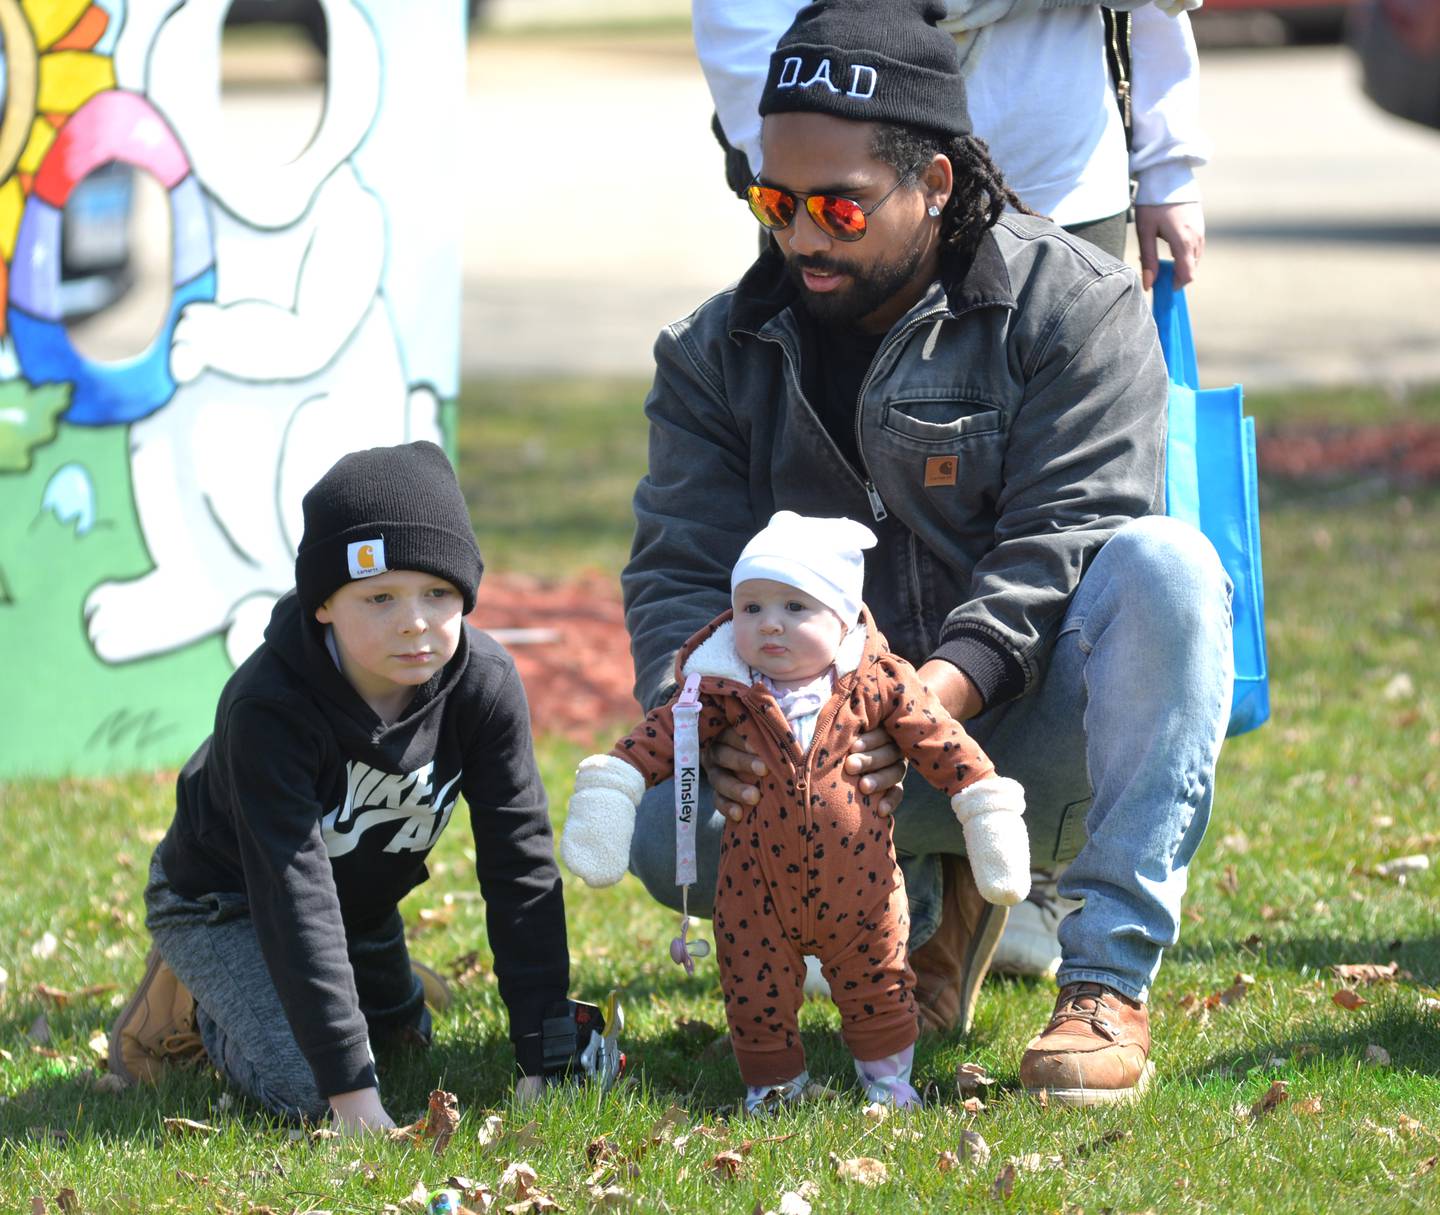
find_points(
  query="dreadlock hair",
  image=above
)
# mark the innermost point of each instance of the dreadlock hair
(980, 194)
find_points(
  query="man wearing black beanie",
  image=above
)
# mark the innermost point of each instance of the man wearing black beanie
(988, 394)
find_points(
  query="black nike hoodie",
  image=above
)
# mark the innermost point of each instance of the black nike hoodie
(321, 815)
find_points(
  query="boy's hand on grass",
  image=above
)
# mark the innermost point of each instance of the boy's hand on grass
(360, 1111)
(528, 1088)
(734, 773)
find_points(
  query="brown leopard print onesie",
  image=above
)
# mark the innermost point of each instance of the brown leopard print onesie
(811, 868)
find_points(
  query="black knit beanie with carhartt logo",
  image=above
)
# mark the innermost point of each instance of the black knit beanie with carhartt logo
(389, 508)
(870, 61)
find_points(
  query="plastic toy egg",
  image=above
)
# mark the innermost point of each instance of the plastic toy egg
(443, 1202)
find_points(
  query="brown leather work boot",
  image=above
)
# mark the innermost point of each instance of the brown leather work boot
(952, 964)
(156, 1028)
(1095, 1051)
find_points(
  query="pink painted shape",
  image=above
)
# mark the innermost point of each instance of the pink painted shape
(112, 125)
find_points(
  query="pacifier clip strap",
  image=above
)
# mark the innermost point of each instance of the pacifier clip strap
(687, 781)
(686, 715)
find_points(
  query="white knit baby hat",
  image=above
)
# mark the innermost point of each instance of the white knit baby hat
(822, 557)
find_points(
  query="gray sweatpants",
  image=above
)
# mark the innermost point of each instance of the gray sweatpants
(211, 945)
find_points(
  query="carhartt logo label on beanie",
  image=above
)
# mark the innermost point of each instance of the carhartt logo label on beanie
(367, 558)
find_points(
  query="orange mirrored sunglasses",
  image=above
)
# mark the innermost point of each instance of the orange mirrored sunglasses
(840, 218)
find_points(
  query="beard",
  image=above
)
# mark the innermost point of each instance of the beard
(866, 291)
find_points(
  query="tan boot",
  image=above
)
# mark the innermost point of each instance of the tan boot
(950, 967)
(1095, 1051)
(437, 991)
(156, 1028)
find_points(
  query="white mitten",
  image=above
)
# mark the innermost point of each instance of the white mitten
(992, 813)
(600, 820)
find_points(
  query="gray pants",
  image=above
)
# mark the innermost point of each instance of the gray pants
(211, 945)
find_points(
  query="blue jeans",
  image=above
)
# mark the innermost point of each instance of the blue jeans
(1116, 746)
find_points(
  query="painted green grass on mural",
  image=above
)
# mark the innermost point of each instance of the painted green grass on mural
(67, 524)
(1346, 776)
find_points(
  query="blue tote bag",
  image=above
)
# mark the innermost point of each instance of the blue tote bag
(1211, 483)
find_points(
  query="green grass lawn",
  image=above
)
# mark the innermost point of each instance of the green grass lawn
(1344, 777)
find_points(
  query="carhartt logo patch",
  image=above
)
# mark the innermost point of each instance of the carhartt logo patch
(367, 558)
(941, 470)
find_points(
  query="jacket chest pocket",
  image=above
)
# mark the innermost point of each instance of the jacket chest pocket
(941, 423)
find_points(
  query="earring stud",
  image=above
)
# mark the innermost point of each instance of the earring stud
(934, 211)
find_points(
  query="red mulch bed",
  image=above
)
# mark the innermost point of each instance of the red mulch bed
(1406, 453)
(579, 683)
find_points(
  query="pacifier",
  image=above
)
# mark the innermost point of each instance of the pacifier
(683, 951)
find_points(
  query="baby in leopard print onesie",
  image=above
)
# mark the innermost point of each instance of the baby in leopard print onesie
(799, 669)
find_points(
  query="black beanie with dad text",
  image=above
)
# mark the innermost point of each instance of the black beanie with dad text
(870, 61)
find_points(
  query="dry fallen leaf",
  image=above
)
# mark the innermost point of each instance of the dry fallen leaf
(727, 1164)
(792, 1202)
(1366, 972)
(876, 1111)
(946, 1161)
(1411, 1126)
(973, 1105)
(1236, 991)
(1004, 1184)
(1105, 1140)
(442, 1119)
(37, 1206)
(45, 947)
(490, 1130)
(667, 1126)
(59, 998)
(67, 1200)
(970, 1077)
(609, 1196)
(864, 1170)
(1377, 1056)
(1275, 1095)
(188, 1126)
(1427, 1166)
(537, 1202)
(1307, 1105)
(1347, 998)
(1229, 881)
(1034, 1162)
(518, 1178)
(973, 1148)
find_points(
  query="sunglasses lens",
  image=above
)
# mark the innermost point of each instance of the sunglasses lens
(839, 218)
(773, 208)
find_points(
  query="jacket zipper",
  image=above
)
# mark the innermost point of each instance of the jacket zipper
(827, 717)
(867, 480)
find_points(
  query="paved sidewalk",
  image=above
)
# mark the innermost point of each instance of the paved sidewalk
(1324, 253)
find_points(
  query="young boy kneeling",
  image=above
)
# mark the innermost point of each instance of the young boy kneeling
(340, 749)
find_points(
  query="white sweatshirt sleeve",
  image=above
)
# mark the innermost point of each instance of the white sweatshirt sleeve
(733, 39)
(1168, 143)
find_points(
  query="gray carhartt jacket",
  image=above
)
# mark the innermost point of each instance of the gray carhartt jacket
(1011, 422)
